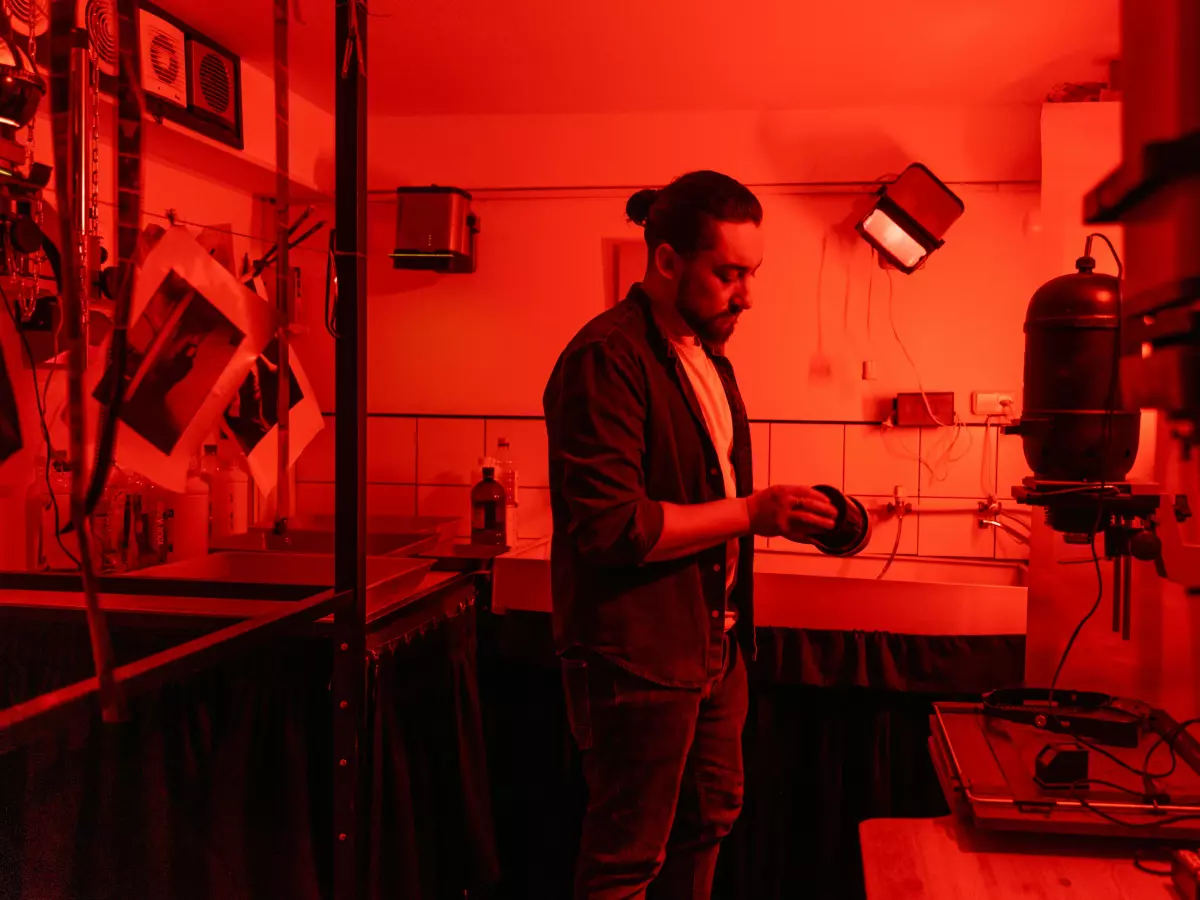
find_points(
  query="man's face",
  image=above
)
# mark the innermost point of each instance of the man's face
(714, 286)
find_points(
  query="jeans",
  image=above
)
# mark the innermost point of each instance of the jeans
(664, 775)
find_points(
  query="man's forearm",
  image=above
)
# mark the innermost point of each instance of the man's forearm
(695, 527)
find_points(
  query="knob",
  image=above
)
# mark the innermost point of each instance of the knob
(1146, 546)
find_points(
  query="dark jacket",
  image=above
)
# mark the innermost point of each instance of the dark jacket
(626, 433)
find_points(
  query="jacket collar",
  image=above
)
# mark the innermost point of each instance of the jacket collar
(659, 340)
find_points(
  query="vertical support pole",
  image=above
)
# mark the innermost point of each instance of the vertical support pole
(283, 274)
(349, 673)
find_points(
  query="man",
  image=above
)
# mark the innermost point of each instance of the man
(653, 548)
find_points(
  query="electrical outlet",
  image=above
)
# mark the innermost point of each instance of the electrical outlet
(991, 404)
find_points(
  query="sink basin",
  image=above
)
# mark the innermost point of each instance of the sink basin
(305, 540)
(389, 578)
(444, 526)
(806, 590)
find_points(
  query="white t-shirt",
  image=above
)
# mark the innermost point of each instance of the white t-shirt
(714, 404)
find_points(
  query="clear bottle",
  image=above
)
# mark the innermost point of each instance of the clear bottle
(37, 500)
(56, 515)
(112, 525)
(506, 474)
(488, 508)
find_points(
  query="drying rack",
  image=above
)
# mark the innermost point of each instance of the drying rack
(346, 600)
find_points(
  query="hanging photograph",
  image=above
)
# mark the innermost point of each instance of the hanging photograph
(195, 334)
(252, 418)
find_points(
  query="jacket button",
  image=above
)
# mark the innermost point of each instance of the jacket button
(712, 471)
(717, 568)
(716, 614)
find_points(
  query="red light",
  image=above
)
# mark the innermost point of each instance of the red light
(893, 239)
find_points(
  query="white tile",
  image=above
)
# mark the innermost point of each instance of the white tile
(878, 461)
(760, 448)
(884, 527)
(446, 501)
(533, 515)
(951, 528)
(313, 499)
(1012, 467)
(957, 463)
(527, 449)
(316, 462)
(317, 499)
(807, 454)
(391, 450)
(448, 450)
(391, 500)
(1008, 547)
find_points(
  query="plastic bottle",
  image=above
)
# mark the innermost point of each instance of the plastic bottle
(37, 499)
(60, 496)
(506, 474)
(188, 523)
(229, 510)
(111, 525)
(488, 507)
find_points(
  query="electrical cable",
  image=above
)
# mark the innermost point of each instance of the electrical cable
(907, 355)
(1106, 451)
(41, 409)
(1140, 865)
(895, 547)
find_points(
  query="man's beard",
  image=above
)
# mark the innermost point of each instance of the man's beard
(713, 330)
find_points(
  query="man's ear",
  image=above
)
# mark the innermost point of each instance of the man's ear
(667, 262)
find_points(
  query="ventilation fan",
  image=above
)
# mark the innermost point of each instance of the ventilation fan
(164, 72)
(212, 83)
(98, 17)
(23, 13)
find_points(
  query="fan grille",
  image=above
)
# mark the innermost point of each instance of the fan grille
(215, 84)
(101, 27)
(164, 58)
(20, 12)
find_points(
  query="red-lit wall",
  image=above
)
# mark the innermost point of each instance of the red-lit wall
(454, 358)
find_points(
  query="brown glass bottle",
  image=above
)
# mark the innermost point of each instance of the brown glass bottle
(487, 511)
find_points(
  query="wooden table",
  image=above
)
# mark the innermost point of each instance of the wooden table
(945, 858)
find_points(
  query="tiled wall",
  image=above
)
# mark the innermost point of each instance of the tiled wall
(422, 465)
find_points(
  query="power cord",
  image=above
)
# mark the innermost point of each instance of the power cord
(1106, 444)
(41, 409)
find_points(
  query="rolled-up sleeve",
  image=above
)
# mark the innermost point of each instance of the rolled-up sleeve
(597, 441)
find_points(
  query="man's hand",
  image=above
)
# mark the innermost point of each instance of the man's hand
(791, 511)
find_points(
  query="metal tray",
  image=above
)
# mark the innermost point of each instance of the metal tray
(389, 578)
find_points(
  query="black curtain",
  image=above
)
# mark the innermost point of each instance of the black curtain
(432, 834)
(836, 734)
(213, 788)
(220, 786)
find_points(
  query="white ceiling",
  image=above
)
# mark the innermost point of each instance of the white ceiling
(553, 56)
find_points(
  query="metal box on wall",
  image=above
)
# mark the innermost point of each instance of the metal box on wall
(435, 229)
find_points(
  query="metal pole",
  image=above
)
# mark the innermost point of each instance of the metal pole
(68, 86)
(350, 526)
(283, 274)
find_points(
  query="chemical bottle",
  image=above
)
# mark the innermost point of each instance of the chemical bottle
(488, 511)
(37, 499)
(188, 522)
(506, 474)
(229, 511)
(112, 525)
(56, 515)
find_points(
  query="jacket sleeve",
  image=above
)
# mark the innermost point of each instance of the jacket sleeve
(598, 441)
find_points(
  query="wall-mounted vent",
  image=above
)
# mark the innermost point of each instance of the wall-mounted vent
(164, 71)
